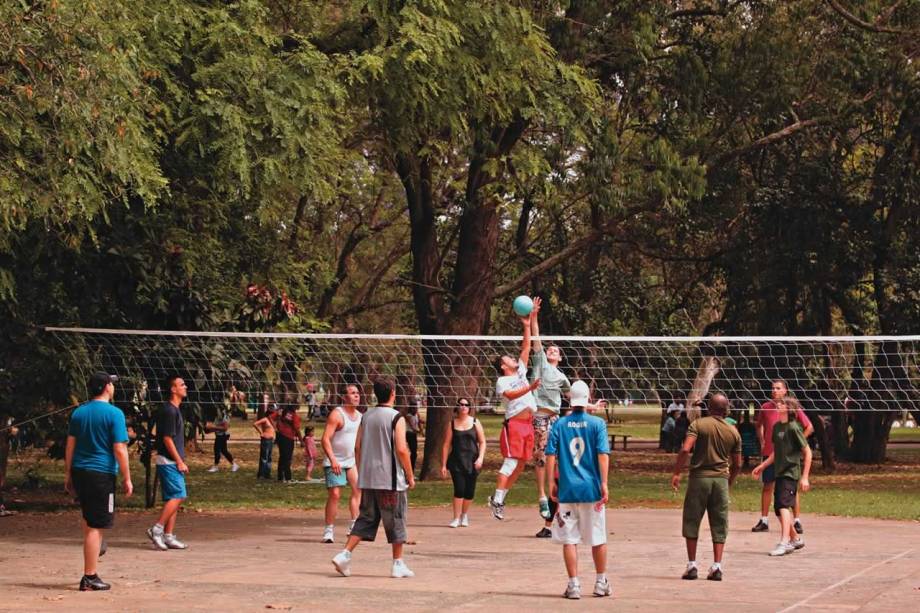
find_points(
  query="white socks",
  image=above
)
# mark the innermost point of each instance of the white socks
(499, 496)
(601, 577)
(158, 528)
(765, 519)
(716, 566)
(691, 564)
(574, 582)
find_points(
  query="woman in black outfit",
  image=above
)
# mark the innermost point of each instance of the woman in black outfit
(464, 450)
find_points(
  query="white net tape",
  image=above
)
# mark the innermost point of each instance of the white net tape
(825, 373)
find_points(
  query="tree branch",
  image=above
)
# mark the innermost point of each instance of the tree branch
(769, 139)
(865, 25)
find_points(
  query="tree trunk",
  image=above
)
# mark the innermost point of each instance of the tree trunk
(709, 367)
(824, 442)
(4, 451)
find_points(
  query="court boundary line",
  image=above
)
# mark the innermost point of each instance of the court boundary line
(843, 581)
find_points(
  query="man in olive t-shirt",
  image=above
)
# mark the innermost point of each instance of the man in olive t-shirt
(712, 442)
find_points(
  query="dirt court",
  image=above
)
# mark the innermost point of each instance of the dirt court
(273, 560)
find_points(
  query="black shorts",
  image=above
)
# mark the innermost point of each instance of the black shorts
(96, 492)
(784, 491)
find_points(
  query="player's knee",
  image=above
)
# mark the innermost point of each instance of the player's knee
(335, 493)
(509, 466)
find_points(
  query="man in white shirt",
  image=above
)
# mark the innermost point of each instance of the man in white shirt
(517, 436)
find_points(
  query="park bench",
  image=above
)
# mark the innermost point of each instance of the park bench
(613, 440)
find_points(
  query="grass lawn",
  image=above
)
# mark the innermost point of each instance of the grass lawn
(638, 479)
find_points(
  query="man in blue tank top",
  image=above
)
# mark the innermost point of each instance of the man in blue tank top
(579, 448)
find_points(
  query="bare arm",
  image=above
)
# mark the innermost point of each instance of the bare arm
(333, 423)
(445, 449)
(402, 452)
(173, 453)
(603, 462)
(68, 463)
(551, 473)
(763, 465)
(358, 444)
(525, 343)
(517, 393)
(734, 469)
(535, 325)
(121, 454)
(481, 439)
(681, 463)
(806, 468)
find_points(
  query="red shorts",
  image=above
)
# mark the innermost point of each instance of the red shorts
(516, 440)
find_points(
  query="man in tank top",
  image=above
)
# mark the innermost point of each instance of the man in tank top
(339, 464)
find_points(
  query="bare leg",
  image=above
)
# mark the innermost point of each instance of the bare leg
(92, 539)
(785, 520)
(514, 476)
(168, 514)
(541, 480)
(691, 550)
(352, 542)
(458, 504)
(717, 549)
(332, 502)
(466, 506)
(397, 550)
(354, 503)
(570, 555)
(599, 553)
(797, 510)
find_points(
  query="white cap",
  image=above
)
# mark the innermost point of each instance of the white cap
(578, 396)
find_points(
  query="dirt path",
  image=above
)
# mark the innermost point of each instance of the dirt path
(258, 560)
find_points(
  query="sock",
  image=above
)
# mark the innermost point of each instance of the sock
(716, 565)
(158, 528)
(544, 499)
(765, 519)
(330, 526)
(93, 576)
(346, 553)
(499, 496)
(398, 562)
(691, 564)
(574, 582)
(169, 535)
(797, 521)
(601, 577)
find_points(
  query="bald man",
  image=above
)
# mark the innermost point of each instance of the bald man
(716, 461)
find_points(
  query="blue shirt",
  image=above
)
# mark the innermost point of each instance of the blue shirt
(97, 426)
(575, 440)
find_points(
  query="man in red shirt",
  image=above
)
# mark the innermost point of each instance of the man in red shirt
(766, 419)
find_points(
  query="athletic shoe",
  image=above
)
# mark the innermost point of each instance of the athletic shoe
(690, 574)
(798, 527)
(173, 543)
(464, 521)
(235, 467)
(602, 588)
(214, 469)
(798, 543)
(572, 592)
(328, 534)
(103, 547)
(342, 563)
(760, 526)
(715, 574)
(544, 533)
(497, 508)
(544, 508)
(94, 584)
(156, 537)
(455, 523)
(782, 549)
(400, 570)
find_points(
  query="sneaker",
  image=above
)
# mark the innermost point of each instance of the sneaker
(156, 537)
(328, 534)
(400, 570)
(544, 508)
(544, 533)
(572, 592)
(94, 584)
(782, 549)
(342, 563)
(455, 523)
(464, 521)
(760, 526)
(235, 467)
(690, 574)
(497, 508)
(715, 574)
(798, 543)
(214, 469)
(173, 543)
(798, 527)
(602, 588)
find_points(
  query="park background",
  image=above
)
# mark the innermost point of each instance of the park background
(647, 168)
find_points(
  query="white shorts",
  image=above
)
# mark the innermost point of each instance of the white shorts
(578, 523)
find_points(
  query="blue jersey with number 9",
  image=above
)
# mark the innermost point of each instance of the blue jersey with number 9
(575, 440)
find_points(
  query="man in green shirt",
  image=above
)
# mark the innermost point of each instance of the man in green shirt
(791, 460)
(712, 442)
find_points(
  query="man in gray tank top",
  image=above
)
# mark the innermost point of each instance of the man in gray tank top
(384, 475)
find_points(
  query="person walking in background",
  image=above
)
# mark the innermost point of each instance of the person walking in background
(413, 426)
(384, 476)
(339, 466)
(750, 447)
(463, 453)
(287, 426)
(171, 466)
(667, 432)
(95, 452)
(265, 426)
(309, 452)
(714, 465)
(221, 429)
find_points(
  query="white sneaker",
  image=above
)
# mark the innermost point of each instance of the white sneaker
(235, 467)
(602, 588)
(400, 570)
(464, 521)
(173, 543)
(798, 543)
(572, 592)
(156, 537)
(328, 534)
(455, 523)
(342, 562)
(782, 549)
(214, 469)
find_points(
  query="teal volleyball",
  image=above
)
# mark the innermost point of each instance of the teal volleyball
(522, 305)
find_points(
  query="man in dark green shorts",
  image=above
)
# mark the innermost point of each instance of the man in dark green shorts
(712, 442)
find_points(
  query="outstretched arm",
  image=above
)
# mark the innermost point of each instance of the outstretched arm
(525, 343)
(535, 325)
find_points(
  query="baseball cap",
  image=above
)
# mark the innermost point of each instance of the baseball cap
(98, 381)
(579, 394)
